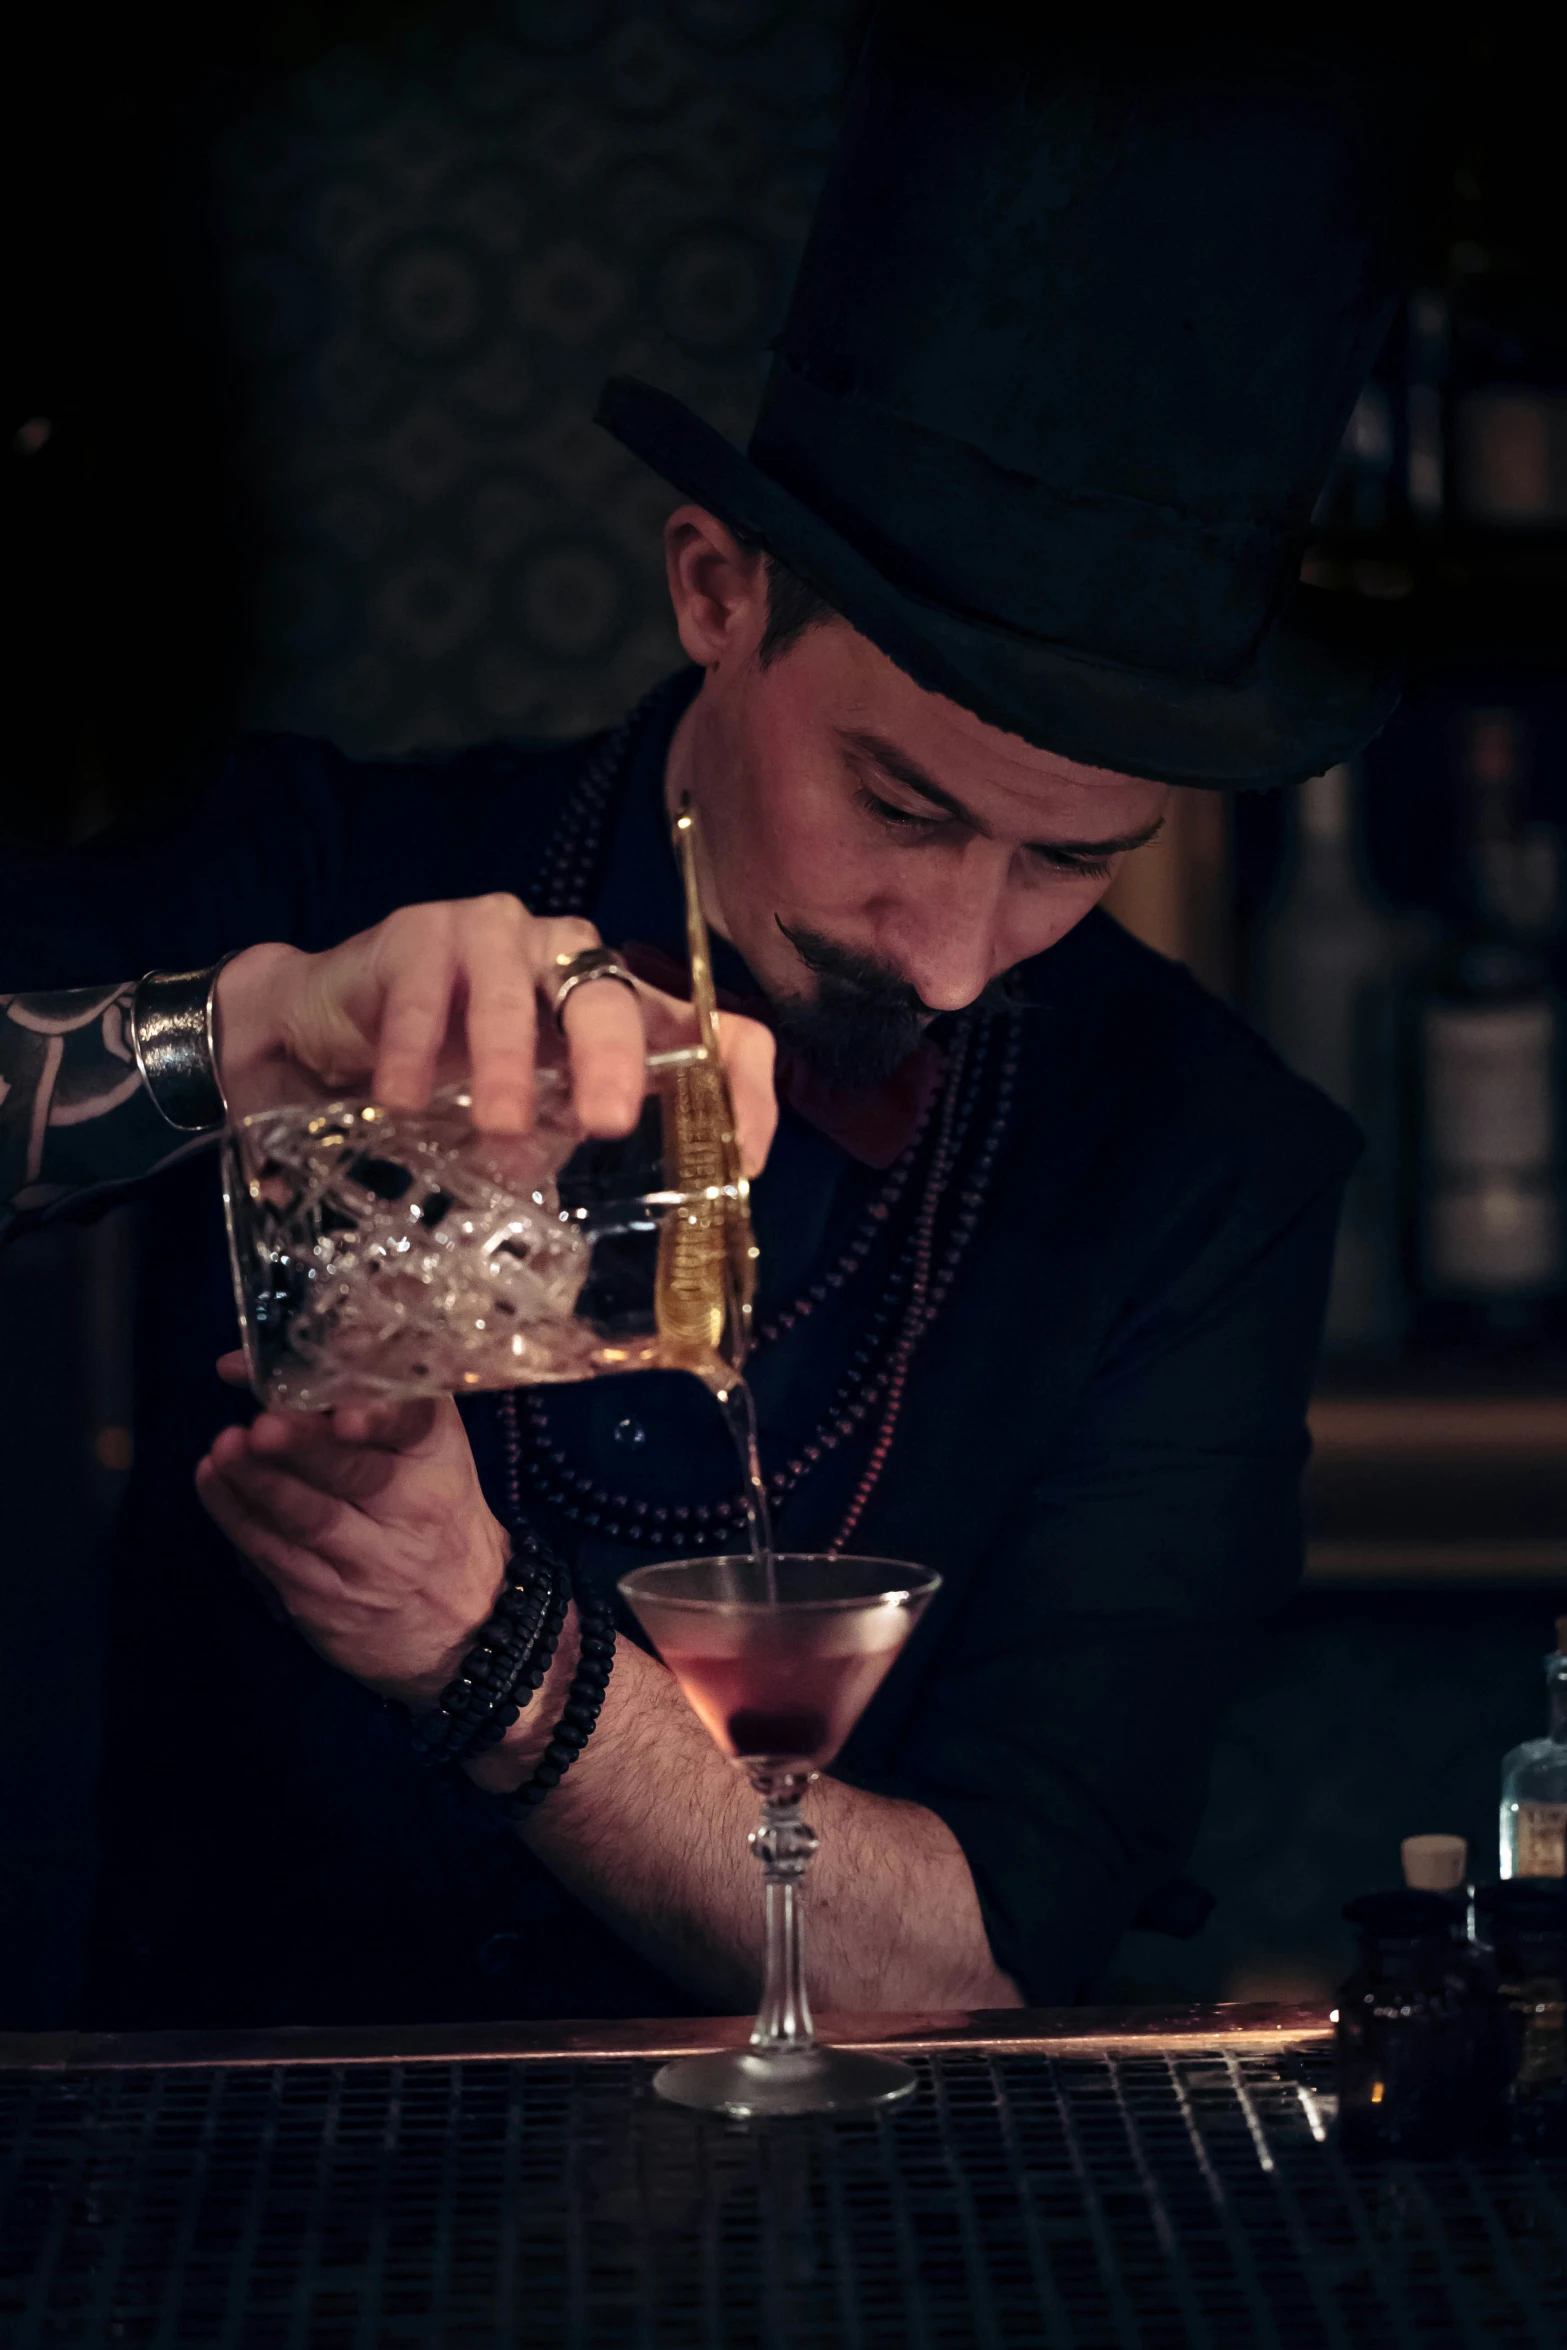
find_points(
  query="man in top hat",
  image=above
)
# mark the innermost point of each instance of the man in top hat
(1044, 1230)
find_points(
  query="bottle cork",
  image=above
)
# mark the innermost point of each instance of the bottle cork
(1434, 1864)
(1561, 1635)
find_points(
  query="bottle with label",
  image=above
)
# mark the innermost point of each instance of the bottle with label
(1325, 967)
(1491, 1240)
(1534, 1786)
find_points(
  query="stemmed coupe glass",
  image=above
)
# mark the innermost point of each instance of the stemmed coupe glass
(779, 1655)
(382, 1253)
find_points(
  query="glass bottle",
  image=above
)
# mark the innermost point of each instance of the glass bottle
(1491, 1241)
(1525, 1925)
(1325, 965)
(1416, 2032)
(1534, 1785)
(1439, 1864)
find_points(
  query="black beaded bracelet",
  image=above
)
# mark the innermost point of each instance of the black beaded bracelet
(507, 1663)
(579, 1716)
(525, 1683)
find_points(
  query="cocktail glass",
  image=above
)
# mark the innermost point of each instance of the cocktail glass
(779, 1656)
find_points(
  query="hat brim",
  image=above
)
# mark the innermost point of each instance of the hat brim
(1324, 680)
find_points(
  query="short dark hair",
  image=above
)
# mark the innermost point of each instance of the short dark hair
(792, 605)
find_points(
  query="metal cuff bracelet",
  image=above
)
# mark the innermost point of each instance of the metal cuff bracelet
(174, 1038)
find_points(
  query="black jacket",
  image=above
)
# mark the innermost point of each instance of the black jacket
(1100, 1449)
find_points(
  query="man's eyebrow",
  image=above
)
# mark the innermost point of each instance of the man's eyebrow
(905, 770)
(902, 769)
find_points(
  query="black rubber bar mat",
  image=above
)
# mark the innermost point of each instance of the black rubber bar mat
(1109, 2200)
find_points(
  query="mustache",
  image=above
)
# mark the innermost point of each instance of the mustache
(845, 969)
(850, 974)
(862, 1020)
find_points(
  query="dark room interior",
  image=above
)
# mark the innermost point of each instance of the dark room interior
(309, 310)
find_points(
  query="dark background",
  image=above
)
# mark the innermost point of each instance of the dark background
(314, 304)
(307, 309)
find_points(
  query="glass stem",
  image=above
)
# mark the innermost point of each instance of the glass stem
(785, 1845)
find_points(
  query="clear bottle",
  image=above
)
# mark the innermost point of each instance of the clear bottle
(1325, 966)
(1491, 1238)
(1534, 1786)
(1524, 1924)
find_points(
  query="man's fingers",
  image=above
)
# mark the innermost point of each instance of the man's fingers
(500, 951)
(605, 1045)
(354, 1452)
(289, 1566)
(749, 1054)
(418, 966)
(292, 1506)
(397, 1424)
(401, 1426)
(475, 980)
(608, 1048)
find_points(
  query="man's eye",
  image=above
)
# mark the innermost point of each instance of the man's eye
(895, 819)
(1080, 868)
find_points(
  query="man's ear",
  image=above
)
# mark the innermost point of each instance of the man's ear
(717, 586)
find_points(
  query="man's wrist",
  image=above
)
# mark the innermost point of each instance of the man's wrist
(492, 1550)
(518, 1754)
(172, 1029)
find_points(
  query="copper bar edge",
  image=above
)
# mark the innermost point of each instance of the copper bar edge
(1022, 2031)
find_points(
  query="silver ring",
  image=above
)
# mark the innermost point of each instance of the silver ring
(577, 970)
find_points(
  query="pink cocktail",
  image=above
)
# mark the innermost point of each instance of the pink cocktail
(779, 1656)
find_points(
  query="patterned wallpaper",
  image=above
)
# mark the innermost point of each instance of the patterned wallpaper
(433, 251)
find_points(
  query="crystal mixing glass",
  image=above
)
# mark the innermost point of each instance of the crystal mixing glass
(380, 1253)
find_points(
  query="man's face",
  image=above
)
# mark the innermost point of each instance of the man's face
(875, 852)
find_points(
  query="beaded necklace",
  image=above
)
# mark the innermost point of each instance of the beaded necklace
(915, 1281)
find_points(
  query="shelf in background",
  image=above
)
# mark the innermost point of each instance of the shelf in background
(1469, 594)
(1412, 1426)
(1435, 1563)
(1439, 1487)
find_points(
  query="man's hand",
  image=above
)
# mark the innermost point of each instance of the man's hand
(466, 988)
(370, 1528)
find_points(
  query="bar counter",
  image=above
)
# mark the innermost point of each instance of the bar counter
(1080, 2177)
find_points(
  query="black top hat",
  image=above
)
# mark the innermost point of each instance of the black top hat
(1072, 345)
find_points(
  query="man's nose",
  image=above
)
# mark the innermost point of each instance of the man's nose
(942, 930)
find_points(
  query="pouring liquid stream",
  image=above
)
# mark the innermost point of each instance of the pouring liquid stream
(738, 1405)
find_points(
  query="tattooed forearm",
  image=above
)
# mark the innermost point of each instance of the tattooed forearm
(74, 1113)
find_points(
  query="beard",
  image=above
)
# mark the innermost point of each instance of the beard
(859, 1023)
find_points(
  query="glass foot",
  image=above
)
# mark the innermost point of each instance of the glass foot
(753, 2081)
